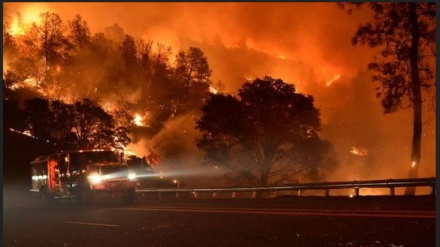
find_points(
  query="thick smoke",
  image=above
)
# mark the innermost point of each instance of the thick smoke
(308, 44)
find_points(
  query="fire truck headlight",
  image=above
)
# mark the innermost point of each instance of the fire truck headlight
(95, 178)
(132, 176)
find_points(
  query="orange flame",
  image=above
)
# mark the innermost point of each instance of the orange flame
(213, 90)
(360, 151)
(137, 120)
(22, 22)
(335, 78)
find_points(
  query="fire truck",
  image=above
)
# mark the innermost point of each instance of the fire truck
(84, 174)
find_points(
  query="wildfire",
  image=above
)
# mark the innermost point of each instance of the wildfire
(23, 21)
(213, 90)
(68, 99)
(335, 78)
(137, 120)
(29, 83)
(359, 151)
(282, 56)
(109, 107)
(17, 28)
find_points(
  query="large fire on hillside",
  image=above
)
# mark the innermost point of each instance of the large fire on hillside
(241, 41)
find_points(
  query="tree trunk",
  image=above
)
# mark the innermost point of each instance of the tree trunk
(417, 98)
(263, 179)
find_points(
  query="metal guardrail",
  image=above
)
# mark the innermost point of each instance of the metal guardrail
(325, 186)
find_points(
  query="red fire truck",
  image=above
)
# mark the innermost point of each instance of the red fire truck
(84, 174)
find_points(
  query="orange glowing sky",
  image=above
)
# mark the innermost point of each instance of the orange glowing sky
(291, 34)
(308, 44)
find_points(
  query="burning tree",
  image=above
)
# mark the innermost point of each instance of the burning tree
(79, 32)
(192, 67)
(405, 66)
(52, 43)
(268, 134)
(64, 61)
(126, 77)
(193, 74)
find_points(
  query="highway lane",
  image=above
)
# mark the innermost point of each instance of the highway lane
(221, 222)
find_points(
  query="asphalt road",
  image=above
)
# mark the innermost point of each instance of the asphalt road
(366, 221)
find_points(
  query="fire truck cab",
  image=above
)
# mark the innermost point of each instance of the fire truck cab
(83, 174)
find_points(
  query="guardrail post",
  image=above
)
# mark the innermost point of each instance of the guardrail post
(177, 195)
(392, 191)
(433, 190)
(196, 195)
(327, 192)
(299, 192)
(234, 194)
(254, 194)
(356, 191)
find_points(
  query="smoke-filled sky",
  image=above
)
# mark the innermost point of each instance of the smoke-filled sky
(307, 44)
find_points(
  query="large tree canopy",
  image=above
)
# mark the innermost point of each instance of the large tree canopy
(79, 125)
(405, 66)
(193, 75)
(268, 134)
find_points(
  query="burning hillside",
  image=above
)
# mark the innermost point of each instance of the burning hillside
(153, 64)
